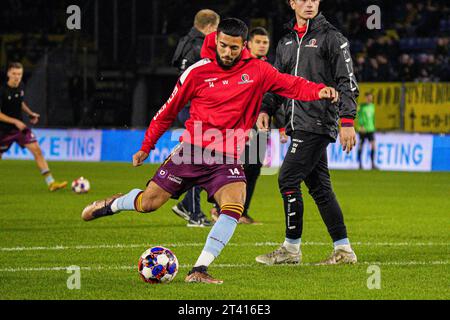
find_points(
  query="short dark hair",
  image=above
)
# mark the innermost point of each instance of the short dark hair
(233, 27)
(15, 65)
(258, 31)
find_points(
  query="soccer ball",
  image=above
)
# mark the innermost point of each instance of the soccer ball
(158, 265)
(81, 185)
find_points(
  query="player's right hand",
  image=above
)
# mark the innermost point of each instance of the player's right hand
(263, 122)
(20, 125)
(347, 136)
(329, 93)
(139, 158)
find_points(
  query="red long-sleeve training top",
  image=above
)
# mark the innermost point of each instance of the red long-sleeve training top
(225, 103)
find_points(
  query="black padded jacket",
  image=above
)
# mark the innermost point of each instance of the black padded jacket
(322, 56)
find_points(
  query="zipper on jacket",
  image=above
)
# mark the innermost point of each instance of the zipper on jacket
(299, 42)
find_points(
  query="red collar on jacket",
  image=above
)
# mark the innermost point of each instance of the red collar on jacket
(209, 49)
(300, 30)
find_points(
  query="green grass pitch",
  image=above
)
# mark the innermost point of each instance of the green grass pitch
(397, 221)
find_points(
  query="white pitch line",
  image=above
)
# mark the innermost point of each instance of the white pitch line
(201, 244)
(115, 268)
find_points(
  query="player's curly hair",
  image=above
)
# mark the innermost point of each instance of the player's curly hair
(233, 27)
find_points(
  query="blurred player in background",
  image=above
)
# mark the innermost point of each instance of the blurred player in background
(12, 127)
(316, 50)
(186, 54)
(226, 89)
(366, 128)
(259, 45)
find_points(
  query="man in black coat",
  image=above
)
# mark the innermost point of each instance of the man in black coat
(313, 49)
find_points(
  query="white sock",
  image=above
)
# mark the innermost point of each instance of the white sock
(345, 247)
(126, 202)
(47, 176)
(205, 259)
(114, 206)
(292, 247)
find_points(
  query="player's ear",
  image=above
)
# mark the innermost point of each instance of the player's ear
(245, 45)
(292, 4)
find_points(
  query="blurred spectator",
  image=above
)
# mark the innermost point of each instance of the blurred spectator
(384, 68)
(407, 69)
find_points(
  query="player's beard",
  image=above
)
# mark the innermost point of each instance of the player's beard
(223, 65)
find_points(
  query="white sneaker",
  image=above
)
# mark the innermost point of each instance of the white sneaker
(342, 254)
(280, 256)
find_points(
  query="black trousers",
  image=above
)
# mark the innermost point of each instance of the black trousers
(253, 162)
(306, 161)
(252, 173)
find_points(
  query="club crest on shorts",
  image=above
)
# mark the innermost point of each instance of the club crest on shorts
(162, 173)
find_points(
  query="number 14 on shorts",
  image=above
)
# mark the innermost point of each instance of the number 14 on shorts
(235, 172)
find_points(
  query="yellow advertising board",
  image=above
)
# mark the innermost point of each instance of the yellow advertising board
(427, 107)
(387, 99)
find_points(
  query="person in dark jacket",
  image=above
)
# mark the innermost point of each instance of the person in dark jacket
(316, 50)
(258, 44)
(186, 54)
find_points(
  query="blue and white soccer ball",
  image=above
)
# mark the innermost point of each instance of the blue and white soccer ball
(158, 265)
(81, 185)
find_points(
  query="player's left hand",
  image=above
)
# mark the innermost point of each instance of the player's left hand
(329, 93)
(263, 122)
(347, 136)
(34, 118)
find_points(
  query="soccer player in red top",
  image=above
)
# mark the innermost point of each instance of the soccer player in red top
(225, 90)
